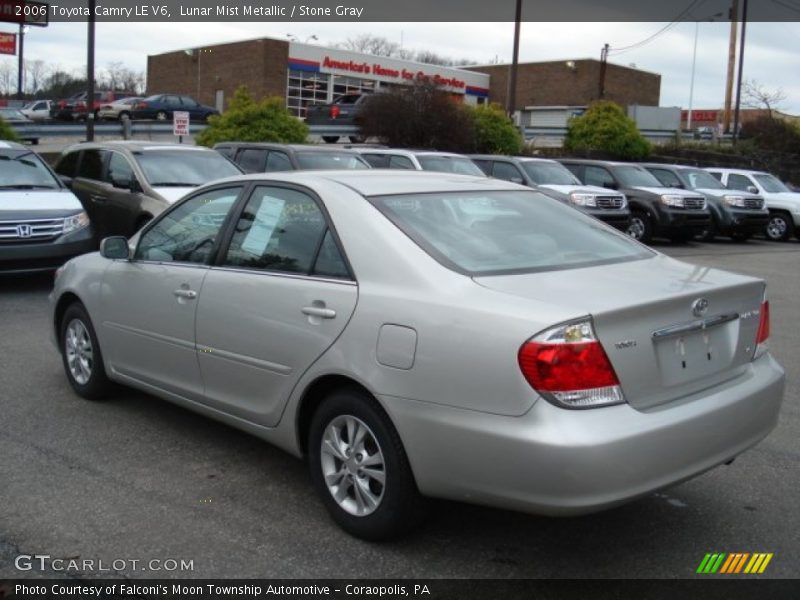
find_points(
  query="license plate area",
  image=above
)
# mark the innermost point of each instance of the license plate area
(692, 355)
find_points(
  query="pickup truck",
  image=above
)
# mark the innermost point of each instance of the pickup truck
(343, 111)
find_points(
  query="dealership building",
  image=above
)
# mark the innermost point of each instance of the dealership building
(307, 74)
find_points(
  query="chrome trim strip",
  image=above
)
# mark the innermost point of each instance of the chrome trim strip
(250, 361)
(187, 345)
(698, 325)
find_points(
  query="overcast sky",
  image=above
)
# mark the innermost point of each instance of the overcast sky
(771, 54)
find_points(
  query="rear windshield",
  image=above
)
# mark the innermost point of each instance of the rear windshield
(771, 184)
(549, 173)
(502, 232)
(699, 179)
(330, 160)
(184, 167)
(25, 170)
(450, 164)
(636, 177)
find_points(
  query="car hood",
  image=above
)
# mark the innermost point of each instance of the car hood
(172, 194)
(583, 189)
(36, 200)
(786, 196)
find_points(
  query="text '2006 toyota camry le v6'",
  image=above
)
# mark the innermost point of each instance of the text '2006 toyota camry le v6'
(424, 334)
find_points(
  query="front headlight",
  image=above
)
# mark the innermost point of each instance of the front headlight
(76, 221)
(737, 201)
(583, 199)
(672, 200)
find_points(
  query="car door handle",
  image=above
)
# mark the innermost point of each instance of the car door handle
(97, 198)
(318, 311)
(190, 294)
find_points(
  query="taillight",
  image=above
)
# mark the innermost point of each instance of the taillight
(763, 330)
(335, 111)
(568, 366)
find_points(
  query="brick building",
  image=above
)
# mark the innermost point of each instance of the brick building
(307, 74)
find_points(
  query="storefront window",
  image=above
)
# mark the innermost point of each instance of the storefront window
(304, 89)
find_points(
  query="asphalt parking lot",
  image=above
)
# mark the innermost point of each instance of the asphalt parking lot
(136, 478)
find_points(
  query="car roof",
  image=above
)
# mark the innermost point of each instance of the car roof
(380, 182)
(135, 146)
(289, 147)
(605, 163)
(511, 158)
(730, 170)
(666, 166)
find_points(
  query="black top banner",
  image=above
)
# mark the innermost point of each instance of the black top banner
(408, 10)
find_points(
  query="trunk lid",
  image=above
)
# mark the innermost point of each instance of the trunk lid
(643, 315)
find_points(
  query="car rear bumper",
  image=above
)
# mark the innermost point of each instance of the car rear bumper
(45, 256)
(564, 462)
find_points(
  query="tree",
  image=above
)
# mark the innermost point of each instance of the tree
(605, 127)
(248, 120)
(419, 116)
(6, 133)
(376, 45)
(773, 135)
(8, 77)
(755, 95)
(495, 132)
(35, 75)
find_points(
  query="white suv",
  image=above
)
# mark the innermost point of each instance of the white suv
(783, 204)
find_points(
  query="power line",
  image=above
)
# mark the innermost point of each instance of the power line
(681, 16)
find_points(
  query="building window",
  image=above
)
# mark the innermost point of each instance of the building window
(304, 89)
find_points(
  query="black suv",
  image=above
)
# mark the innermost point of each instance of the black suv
(733, 213)
(656, 210)
(255, 157)
(555, 180)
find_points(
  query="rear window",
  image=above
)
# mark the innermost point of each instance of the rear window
(636, 177)
(184, 167)
(549, 173)
(330, 160)
(503, 232)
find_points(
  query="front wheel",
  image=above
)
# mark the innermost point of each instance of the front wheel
(330, 139)
(80, 351)
(360, 468)
(640, 227)
(780, 227)
(708, 234)
(161, 116)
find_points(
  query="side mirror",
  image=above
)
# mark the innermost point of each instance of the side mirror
(115, 248)
(752, 189)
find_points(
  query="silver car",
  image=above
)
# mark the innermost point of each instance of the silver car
(419, 334)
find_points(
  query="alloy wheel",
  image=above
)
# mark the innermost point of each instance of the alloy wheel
(79, 353)
(776, 228)
(636, 229)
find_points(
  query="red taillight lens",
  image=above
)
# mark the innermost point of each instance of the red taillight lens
(568, 365)
(763, 323)
(334, 111)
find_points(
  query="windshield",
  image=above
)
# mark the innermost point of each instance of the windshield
(11, 113)
(330, 160)
(699, 179)
(184, 167)
(450, 164)
(771, 184)
(635, 177)
(499, 232)
(25, 170)
(549, 173)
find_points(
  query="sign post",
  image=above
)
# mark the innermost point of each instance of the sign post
(180, 124)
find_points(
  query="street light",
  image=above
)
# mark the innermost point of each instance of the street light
(694, 63)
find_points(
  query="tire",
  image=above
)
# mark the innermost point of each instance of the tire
(358, 139)
(640, 228)
(709, 234)
(390, 504)
(81, 355)
(161, 116)
(780, 227)
(330, 139)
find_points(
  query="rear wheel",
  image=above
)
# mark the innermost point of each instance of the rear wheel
(330, 139)
(640, 227)
(80, 351)
(360, 468)
(161, 116)
(780, 227)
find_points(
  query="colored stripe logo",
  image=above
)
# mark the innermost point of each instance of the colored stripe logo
(734, 563)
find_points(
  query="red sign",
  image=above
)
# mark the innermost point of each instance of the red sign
(25, 12)
(8, 43)
(701, 116)
(180, 123)
(380, 70)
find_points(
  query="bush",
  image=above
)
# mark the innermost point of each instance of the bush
(419, 116)
(769, 133)
(495, 132)
(249, 121)
(605, 127)
(6, 132)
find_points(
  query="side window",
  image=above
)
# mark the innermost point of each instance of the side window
(597, 176)
(667, 178)
(400, 162)
(329, 262)
(739, 182)
(575, 170)
(716, 174)
(484, 165)
(226, 151)
(171, 101)
(506, 171)
(187, 234)
(252, 160)
(278, 230)
(377, 161)
(66, 166)
(278, 161)
(189, 102)
(91, 166)
(120, 172)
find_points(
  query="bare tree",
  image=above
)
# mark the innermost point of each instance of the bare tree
(372, 44)
(8, 73)
(756, 95)
(35, 75)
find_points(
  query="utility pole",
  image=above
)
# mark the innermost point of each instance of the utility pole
(21, 66)
(726, 116)
(511, 101)
(741, 68)
(601, 91)
(90, 75)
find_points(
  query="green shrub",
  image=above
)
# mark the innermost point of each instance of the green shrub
(6, 132)
(605, 127)
(495, 132)
(247, 120)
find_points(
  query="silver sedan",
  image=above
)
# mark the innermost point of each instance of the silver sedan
(419, 334)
